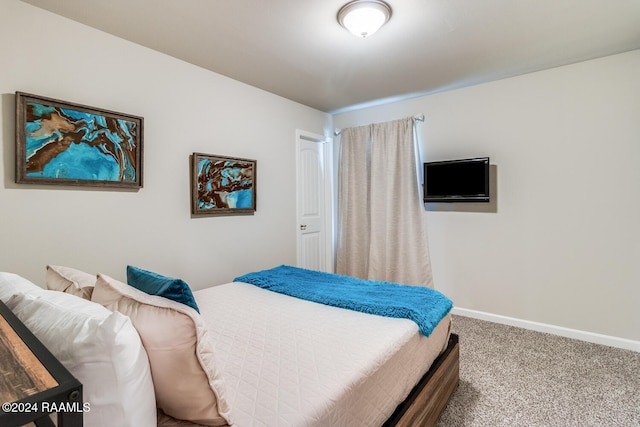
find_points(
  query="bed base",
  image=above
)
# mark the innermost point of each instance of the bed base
(429, 397)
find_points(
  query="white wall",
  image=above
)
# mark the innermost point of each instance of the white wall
(186, 109)
(562, 245)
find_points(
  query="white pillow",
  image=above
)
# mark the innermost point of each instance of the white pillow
(100, 348)
(70, 280)
(11, 284)
(187, 382)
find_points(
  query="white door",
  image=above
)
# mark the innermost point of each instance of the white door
(313, 199)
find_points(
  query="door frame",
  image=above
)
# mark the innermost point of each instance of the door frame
(328, 215)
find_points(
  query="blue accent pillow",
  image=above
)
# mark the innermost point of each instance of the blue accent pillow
(156, 284)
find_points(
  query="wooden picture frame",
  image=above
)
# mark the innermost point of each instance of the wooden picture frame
(63, 143)
(222, 185)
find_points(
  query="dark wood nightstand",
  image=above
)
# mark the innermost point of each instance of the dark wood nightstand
(33, 383)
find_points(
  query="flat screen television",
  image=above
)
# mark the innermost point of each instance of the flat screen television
(463, 180)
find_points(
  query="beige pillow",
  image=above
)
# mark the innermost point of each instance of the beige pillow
(186, 382)
(70, 280)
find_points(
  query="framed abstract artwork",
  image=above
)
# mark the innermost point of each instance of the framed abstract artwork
(58, 142)
(222, 185)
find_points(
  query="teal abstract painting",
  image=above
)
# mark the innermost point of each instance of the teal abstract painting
(222, 185)
(63, 143)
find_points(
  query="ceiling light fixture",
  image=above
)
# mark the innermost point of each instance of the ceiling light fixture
(364, 17)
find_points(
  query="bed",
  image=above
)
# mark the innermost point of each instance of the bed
(267, 359)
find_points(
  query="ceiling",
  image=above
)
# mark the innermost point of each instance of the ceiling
(297, 49)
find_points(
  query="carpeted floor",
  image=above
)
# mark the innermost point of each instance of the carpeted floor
(515, 377)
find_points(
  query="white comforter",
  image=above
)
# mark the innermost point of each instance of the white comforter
(290, 362)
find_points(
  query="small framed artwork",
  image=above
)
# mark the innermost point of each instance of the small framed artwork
(58, 142)
(222, 185)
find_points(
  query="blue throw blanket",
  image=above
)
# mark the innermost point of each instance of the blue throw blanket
(424, 306)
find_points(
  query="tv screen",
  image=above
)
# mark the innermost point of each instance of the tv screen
(464, 180)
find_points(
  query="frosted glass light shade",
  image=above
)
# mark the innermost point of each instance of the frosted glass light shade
(364, 17)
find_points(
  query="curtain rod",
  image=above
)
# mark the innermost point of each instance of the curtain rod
(419, 117)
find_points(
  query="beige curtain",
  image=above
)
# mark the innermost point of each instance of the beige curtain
(382, 230)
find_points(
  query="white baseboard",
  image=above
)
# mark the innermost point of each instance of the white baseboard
(551, 329)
